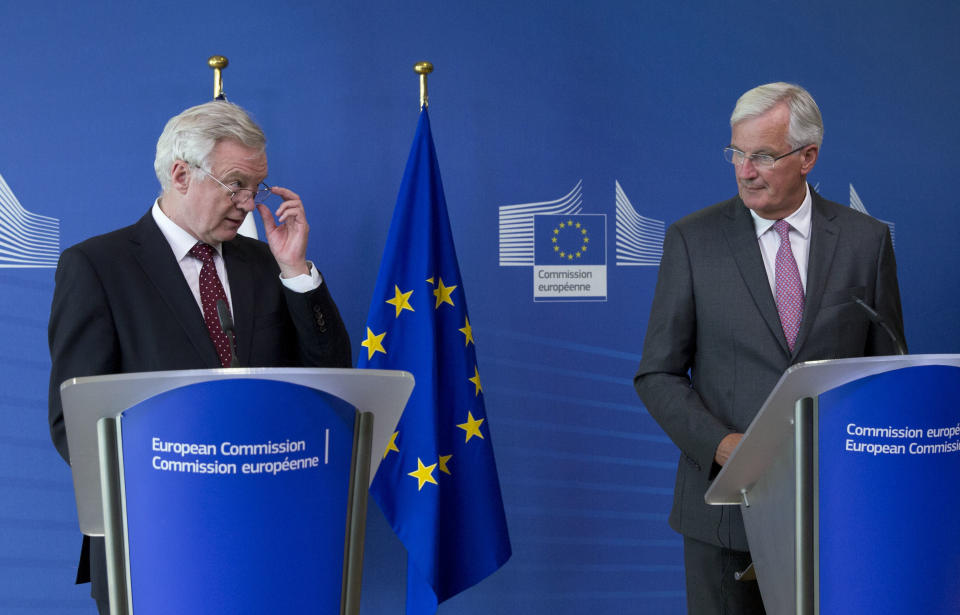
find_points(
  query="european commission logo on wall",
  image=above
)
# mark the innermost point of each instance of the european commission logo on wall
(567, 249)
(27, 240)
(639, 239)
(570, 259)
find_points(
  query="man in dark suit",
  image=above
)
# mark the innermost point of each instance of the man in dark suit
(142, 298)
(736, 305)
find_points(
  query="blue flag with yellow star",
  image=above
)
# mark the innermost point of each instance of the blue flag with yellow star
(437, 483)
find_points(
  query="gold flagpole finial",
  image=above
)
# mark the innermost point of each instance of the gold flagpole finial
(217, 63)
(423, 69)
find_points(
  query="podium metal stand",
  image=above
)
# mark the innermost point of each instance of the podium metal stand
(96, 409)
(827, 422)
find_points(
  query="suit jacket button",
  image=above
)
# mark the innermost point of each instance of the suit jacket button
(321, 321)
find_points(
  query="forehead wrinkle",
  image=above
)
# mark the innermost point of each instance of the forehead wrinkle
(766, 146)
(771, 129)
(254, 174)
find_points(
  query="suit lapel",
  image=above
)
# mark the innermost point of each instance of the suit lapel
(242, 296)
(824, 234)
(741, 237)
(153, 254)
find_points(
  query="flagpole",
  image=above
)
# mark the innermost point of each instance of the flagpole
(248, 228)
(217, 63)
(423, 69)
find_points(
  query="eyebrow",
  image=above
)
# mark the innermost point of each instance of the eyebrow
(763, 151)
(244, 178)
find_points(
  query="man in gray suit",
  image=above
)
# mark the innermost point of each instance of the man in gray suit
(736, 305)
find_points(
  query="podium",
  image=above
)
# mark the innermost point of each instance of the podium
(231, 490)
(848, 480)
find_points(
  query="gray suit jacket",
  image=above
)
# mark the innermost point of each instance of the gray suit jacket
(714, 347)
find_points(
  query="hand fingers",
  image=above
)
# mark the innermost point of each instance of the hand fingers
(287, 195)
(290, 211)
(291, 208)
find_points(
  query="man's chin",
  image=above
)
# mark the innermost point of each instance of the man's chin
(223, 235)
(753, 199)
(228, 230)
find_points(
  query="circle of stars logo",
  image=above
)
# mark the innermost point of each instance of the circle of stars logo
(570, 240)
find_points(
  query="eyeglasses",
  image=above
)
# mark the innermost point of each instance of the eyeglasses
(241, 196)
(761, 161)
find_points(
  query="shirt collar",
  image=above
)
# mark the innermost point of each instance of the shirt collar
(180, 240)
(798, 220)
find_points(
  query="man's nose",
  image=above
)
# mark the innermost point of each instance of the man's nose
(746, 169)
(246, 206)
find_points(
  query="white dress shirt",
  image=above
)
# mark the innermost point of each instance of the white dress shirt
(181, 241)
(769, 241)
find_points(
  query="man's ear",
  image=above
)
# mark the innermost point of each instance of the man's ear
(808, 158)
(180, 176)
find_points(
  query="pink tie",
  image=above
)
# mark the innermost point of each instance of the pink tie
(789, 286)
(210, 290)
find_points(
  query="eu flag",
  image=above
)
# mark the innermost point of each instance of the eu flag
(437, 483)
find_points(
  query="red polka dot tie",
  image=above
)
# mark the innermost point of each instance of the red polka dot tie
(210, 290)
(789, 286)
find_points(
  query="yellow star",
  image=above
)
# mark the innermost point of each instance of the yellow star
(423, 474)
(579, 254)
(472, 427)
(400, 300)
(578, 225)
(562, 253)
(561, 225)
(373, 343)
(556, 231)
(556, 248)
(443, 463)
(442, 293)
(476, 380)
(586, 240)
(569, 257)
(467, 331)
(553, 239)
(431, 281)
(391, 445)
(583, 232)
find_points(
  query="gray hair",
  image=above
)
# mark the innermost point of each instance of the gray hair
(806, 125)
(192, 135)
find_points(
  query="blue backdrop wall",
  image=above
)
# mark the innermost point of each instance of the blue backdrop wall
(615, 108)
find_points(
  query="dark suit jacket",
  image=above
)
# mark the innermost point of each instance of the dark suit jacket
(121, 304)
(714, 347)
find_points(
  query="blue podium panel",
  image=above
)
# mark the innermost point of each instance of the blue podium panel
(889, 469)
(236, 494)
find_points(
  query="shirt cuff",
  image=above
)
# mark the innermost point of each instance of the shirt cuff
(304, 283)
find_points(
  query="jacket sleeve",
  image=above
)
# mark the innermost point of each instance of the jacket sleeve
(321, 334)
(886, 302)
(669, 353)
(81, 334)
